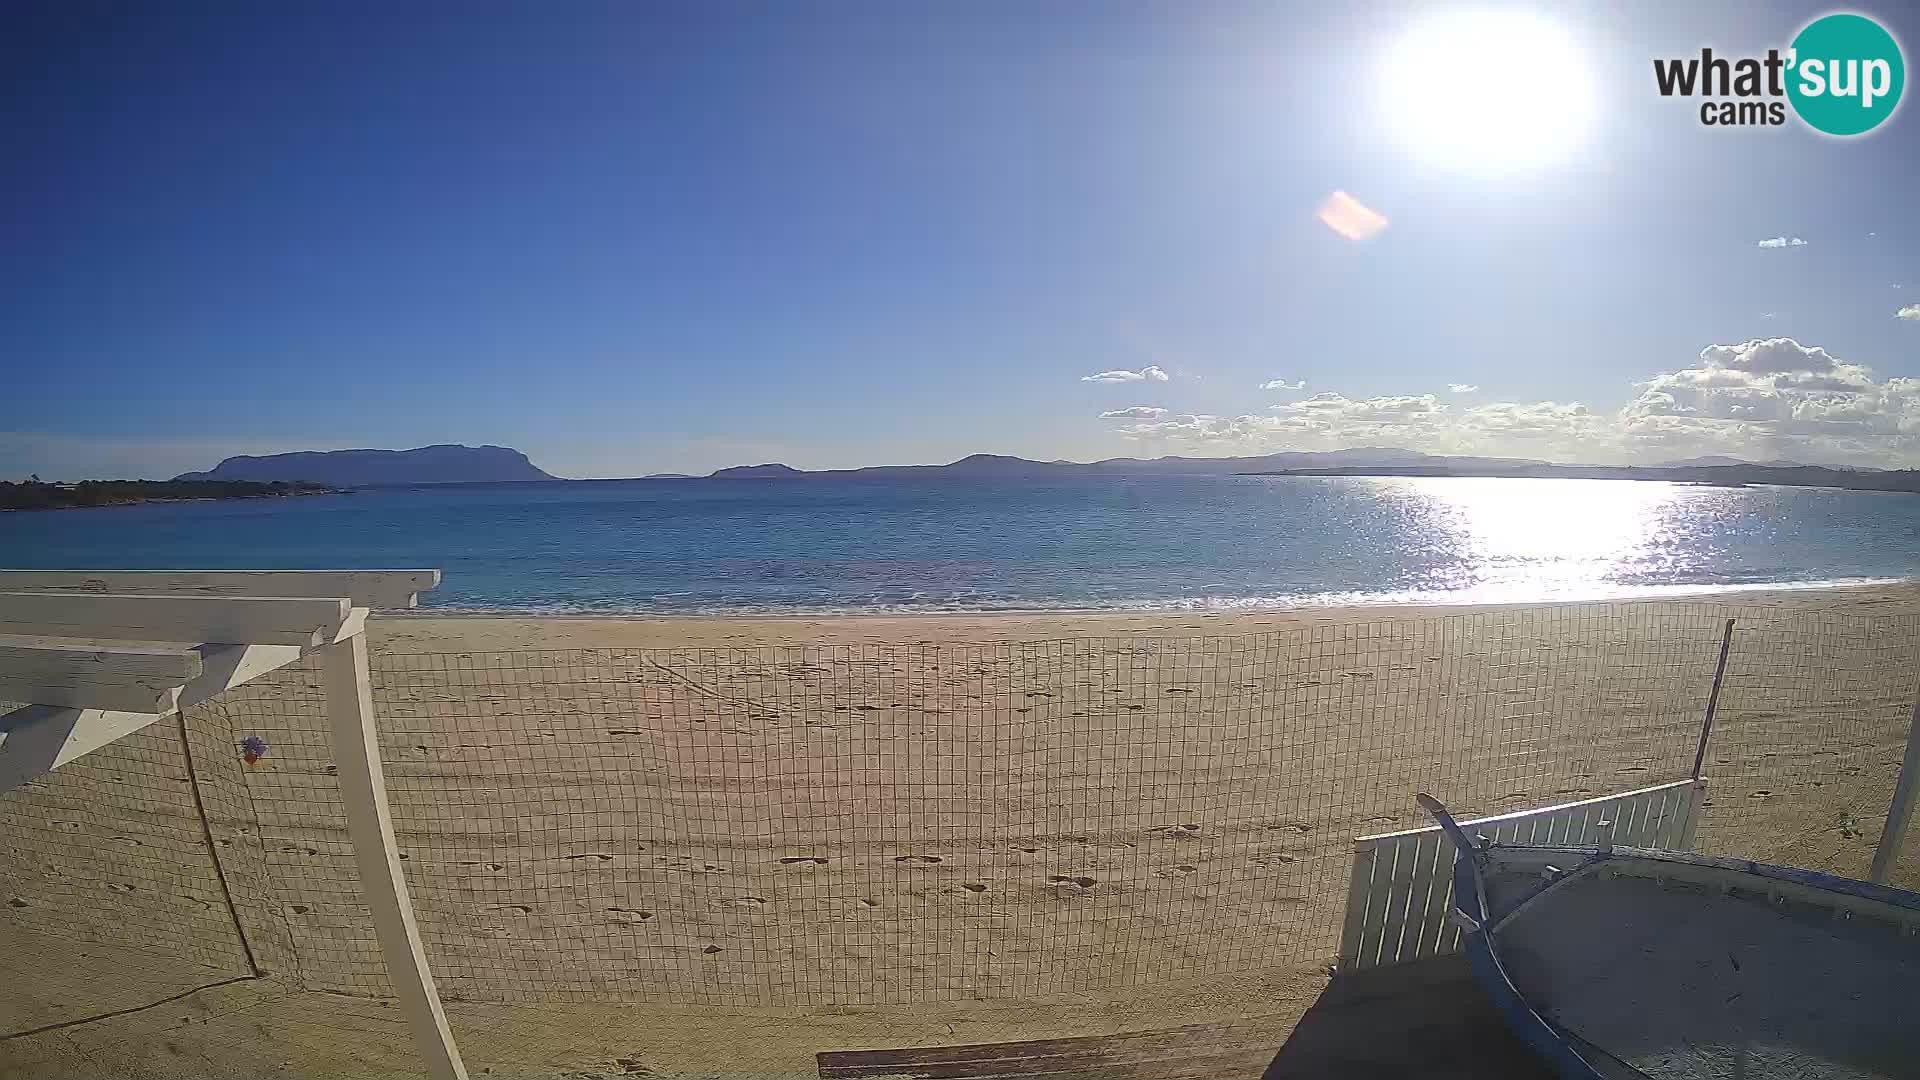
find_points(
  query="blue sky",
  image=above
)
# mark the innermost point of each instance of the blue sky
(630, 238)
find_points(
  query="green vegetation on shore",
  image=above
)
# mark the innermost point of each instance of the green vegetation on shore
(34, 495)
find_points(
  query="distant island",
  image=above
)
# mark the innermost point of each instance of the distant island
(442, 464)
(34, 495)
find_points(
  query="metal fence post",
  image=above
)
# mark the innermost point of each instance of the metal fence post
(1713, 700)
(1902, 808)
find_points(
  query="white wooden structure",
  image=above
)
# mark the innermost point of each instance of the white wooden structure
(1402, 885)
(100, 654)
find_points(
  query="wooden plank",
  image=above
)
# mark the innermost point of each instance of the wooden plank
(215, 668)
(1416, 865)
(248, 620)
(366, 588)
(26, 657)
(226, 666)
(1363, 856)
(1379, 889)
(1427, 934)
(1402, 883)
(1688, 831)
(36, 739)
(56, 671)
(1517, 814)
(363, 788)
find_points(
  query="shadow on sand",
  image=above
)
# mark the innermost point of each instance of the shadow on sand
(1424, 1019)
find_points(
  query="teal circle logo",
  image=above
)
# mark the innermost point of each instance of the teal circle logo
(1846, 74)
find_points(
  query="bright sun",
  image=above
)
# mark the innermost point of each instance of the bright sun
(1491, 91)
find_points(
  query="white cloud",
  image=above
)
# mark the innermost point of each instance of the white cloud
(1911, 311)
(1150, 373)
(1282, 384)
(1135, 412)
(1759, 399)
(1775, 397)
(1461, 388)
(1783, 241)
(1768, 314)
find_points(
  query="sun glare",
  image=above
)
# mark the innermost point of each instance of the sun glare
(1488, 91)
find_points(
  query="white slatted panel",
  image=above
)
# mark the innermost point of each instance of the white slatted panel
(1402, 884)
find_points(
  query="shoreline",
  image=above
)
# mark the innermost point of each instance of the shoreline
(427, 631)
(1335, 602)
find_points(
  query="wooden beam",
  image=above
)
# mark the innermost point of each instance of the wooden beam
(37, 739)
(22, 657)
(250, 620)
(366, 588)
(227, 666)
(132, 678)
(363, 787)
(57, 671)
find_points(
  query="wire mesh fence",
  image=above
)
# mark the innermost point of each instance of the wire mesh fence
(1808, 737)
(883, 824)
(110, 849)
(891, 824)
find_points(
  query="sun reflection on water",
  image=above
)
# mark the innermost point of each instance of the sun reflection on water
(1528, 539)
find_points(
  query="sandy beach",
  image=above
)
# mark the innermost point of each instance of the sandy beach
(425, 632)
(863, 831)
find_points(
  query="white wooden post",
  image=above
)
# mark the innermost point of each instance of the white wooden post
(363, 784)
(1898, 814)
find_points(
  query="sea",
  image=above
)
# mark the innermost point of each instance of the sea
(825, 544)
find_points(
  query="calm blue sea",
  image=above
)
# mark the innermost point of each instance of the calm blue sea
(824, 545)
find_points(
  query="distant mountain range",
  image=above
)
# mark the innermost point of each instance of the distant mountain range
(1000, 465)
(494, 464)
(1373, 461)
(444, 464)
